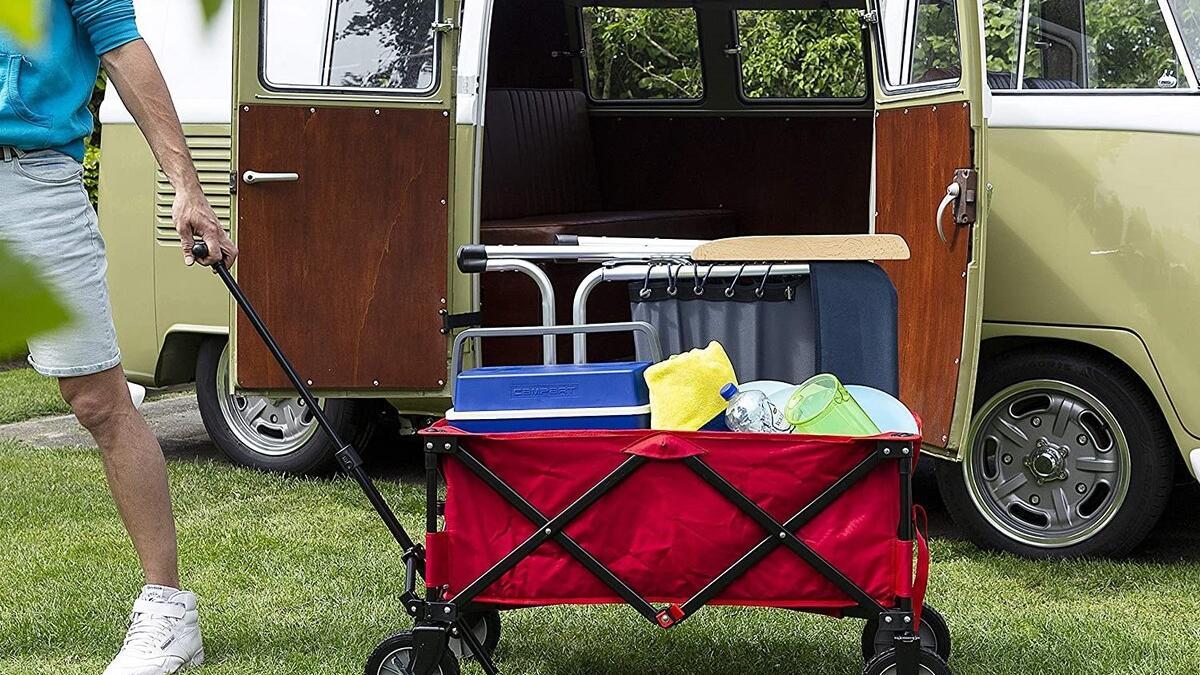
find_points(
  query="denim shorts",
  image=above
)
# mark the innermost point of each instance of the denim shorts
(47, 219)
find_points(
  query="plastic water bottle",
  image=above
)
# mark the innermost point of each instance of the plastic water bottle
(751, 411)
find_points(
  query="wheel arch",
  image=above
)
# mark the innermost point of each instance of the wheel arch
(1119, 349)
(180, 348)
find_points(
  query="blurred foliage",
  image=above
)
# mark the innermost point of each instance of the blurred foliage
(22, 19)
(26, 303)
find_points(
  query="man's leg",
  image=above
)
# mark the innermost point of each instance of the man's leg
(134, 464)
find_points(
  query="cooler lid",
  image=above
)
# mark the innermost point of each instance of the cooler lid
(540, 387)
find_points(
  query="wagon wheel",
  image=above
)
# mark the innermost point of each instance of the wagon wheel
(394, 656)
(885, 664)
(934, 634)
(486, 627)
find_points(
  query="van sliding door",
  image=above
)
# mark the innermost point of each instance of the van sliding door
(928, 149)
(343, 138)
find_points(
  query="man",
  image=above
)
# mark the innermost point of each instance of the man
(45, 217)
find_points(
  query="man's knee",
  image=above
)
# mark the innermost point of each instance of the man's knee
(96, 404)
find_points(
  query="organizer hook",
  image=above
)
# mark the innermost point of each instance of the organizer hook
(698, 284)
(673, 280)
(645, 292)
(736, 278)
(762, 286)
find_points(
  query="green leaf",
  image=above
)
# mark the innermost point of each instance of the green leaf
(26, 303)
(22, 19)
(210, 7)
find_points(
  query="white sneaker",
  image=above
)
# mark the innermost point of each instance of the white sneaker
(164, 634)
(137, 393)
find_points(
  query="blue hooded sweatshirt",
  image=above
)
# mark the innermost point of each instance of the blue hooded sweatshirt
(45, 89)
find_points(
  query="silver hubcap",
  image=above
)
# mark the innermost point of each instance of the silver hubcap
(399, 662)
(270, 426)
(1047, 463)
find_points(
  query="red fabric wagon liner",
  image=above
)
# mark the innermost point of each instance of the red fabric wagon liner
(663, 530)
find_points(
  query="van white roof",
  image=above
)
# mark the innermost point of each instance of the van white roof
(197, 60)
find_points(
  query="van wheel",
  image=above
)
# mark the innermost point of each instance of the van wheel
(273, 434)
(1066, 457)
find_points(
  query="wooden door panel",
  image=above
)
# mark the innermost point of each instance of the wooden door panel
(917, 151)
(347, 265)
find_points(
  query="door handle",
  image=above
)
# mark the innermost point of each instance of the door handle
(962, 192)
(953, 190)
(252, 177)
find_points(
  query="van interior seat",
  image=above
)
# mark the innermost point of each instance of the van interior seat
(540, 177)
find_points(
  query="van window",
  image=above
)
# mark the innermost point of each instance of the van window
(1099, 44)
(642, 53)
(378, 45)
(1187, 17)
(920, 42)
(801, 53)
(1002, 39)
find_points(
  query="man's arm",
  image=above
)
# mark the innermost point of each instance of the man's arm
(133, 70)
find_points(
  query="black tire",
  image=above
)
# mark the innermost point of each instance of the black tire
(486, 626)
(934, 633)
(308, 451)
(885, 664)
(1077, 382)
(392, 653)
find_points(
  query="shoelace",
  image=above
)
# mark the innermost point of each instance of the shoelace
(148, 631)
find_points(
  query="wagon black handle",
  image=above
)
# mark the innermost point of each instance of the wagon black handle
(346, 455)
(200, 251)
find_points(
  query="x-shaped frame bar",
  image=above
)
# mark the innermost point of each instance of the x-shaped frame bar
(778, 534)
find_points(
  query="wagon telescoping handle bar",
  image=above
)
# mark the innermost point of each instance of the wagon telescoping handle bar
(346, 455)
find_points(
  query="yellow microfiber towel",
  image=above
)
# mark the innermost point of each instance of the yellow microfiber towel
(685, 390)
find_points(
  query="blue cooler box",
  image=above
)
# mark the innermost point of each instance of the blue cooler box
(540, 398)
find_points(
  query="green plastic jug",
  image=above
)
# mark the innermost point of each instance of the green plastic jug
(821, 405)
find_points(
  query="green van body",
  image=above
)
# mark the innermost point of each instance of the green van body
(1091, 240)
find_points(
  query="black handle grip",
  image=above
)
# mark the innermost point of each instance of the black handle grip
(199, 250)
(472, 258)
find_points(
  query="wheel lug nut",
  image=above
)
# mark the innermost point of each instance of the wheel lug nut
(1082, 439)
(1007, 458)
(1080, 488)
(1037, 421)
(1035, 500)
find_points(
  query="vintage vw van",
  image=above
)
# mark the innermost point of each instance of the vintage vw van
(352, 146)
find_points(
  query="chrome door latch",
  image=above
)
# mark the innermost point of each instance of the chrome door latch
(442, 26)
(869, 16)
(963, 192)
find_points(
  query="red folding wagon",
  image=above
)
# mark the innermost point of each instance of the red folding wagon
(665, 522)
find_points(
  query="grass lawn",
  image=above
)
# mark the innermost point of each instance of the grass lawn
(25, 394)
(298, 576)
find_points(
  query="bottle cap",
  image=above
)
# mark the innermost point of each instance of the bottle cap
(728, 390)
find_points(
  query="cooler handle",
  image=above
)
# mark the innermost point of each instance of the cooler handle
(646, 329)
